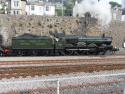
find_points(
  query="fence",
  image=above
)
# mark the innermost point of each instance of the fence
(92, 84)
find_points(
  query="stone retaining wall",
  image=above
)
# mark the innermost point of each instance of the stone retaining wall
(11, 26)
(117, 31)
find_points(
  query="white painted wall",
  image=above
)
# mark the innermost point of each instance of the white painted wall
(51, 10)
(40, 10)
(76, 9)
(123, 18)
(16, 8)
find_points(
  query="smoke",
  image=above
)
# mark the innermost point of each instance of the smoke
(98, 9)
(5, 36)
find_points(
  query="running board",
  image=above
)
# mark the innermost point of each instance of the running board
(78, 49)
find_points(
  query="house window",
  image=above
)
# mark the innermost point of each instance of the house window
(47, 8)
(41, 0)
(16, 3)
(17, 12)
(14, 12)
(32, 7)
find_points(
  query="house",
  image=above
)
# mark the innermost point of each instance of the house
(118, 13)
(123, 14)
(27, 7)
(17, 7)
(40, 8)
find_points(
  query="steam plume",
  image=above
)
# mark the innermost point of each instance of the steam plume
(98, 9)
(5, 36)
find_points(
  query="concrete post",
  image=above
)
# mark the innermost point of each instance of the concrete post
(58, 85)
(123, 86)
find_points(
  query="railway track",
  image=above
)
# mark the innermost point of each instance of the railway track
(59, 65)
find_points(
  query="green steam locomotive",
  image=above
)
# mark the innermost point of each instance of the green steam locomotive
(32, 45)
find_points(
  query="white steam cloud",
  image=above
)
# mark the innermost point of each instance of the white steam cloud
(98, 9)
(5, 36)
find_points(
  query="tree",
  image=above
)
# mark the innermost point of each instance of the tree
(113, 4)
(3, 8)
(69, 4)
(67, 7)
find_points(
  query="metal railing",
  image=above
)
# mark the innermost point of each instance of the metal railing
(58, 88)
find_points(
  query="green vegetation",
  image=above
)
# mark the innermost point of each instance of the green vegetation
(113, 4)
(59, 12)
(3, 8)
(67, 8)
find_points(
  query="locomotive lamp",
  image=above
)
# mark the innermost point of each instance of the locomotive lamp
(57, 39)
(124, 44)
